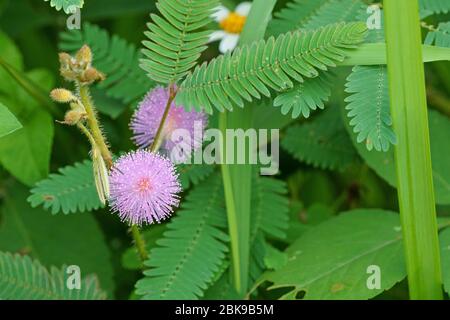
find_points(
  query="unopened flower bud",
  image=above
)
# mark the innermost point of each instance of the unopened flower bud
(64, 59)
(62, 95)
(84, 56)
(72, 117)
(101, 177)
(92, 75)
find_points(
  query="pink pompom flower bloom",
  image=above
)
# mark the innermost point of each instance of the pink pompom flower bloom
(146, 120)
(144, 187)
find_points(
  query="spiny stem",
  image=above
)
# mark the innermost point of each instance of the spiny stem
(86, 132)
(94, 125)
(156, 142)
(139, 243)
(96, 135)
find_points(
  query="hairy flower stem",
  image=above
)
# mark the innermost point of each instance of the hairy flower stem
(96, 137)
(157, 142)
(94, 125)
(139, 243)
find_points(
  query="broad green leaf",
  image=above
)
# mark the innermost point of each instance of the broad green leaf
(54, 240)
(331, 261)
(8, 122)
(26, 152)
(10, 54)
(384, 165)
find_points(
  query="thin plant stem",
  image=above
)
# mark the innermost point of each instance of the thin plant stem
(96, 137)
(139, 243)
(87, 133)
(438, 100)
(412, 153)
(157, 141)
(94, 125)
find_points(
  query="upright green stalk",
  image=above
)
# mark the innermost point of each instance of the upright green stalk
(96, 136)
(413, 158)
(237, 179)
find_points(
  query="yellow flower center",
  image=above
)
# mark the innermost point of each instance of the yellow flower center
(233, 23)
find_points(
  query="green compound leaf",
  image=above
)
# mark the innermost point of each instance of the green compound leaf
(270, 207)
(369, 107)
(193, 249)
(193, 174)
(383, 162)
(175, 44)
(269, 219)
(66, 5)
(305, 97)
(75, 239)
(22, 278)
(332, 260)
(8, 122)
(439, 37)
(71, 190)
(252, 69)
(311, 14)
(322, 142)
(430, 7)
(114, 56)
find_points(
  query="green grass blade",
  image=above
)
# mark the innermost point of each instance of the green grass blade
(237, 178)
(412, 153)
(375, 54)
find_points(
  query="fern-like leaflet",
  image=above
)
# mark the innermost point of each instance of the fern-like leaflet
(322, 142)
(305, 97)
(429, 7)
(175, 42)
(312, 14)
(368, 107)
(251, 70)
(270, 209)
(66, 5)
(193, 249)
(440, 36)
(309, 15)
(71, 190)
(192, 174)
(22, 278)
(114, 56)
(368, 103)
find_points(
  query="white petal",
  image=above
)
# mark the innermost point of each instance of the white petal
(243, 8)
(217, 35)
(229, 42)
(220, 13)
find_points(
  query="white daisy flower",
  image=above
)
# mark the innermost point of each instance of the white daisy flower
(231, 24)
